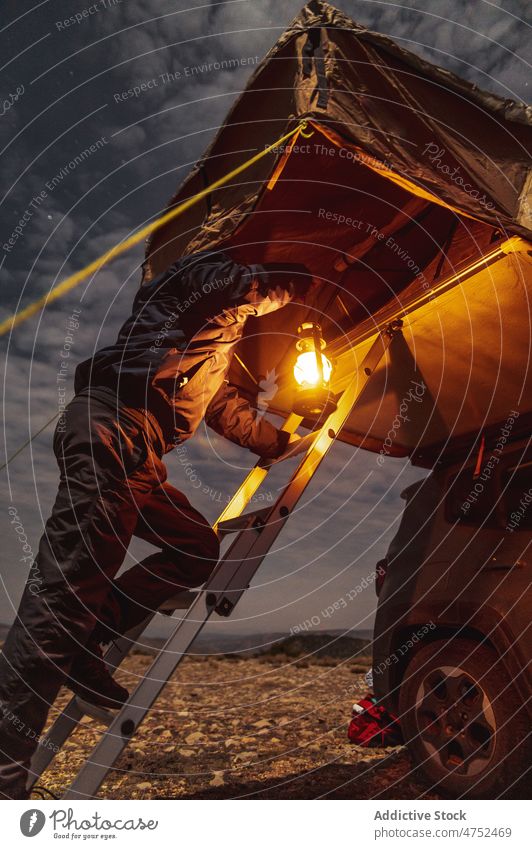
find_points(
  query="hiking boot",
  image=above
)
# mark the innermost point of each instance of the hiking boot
(91, 680)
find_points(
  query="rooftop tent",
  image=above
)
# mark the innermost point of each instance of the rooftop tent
(407, 195)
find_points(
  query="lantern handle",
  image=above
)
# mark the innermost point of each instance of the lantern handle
(316, 335)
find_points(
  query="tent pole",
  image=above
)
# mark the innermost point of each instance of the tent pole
(370, 328)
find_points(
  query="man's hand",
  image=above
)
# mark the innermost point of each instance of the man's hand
(293, 439)
(304, 285)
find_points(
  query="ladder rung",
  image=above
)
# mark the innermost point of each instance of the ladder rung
(95, 711)
(244, 521)
(256, 517)
(180, 601)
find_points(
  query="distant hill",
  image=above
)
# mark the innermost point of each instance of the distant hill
(332, 644)
(321, 645)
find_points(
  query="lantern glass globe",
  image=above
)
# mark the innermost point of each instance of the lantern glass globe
(306, 370)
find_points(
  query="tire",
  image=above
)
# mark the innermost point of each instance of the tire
(462, 719)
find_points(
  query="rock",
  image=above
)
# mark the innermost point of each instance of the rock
(262, 723)
(218, 780)
(195, 737)
(168, 749)
(144, 785)
(186, 753)
(245, 756)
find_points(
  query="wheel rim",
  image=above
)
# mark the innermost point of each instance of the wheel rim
(455, 721)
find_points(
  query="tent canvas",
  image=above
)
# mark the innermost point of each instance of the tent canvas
(407, 195)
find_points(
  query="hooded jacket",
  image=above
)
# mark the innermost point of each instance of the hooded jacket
(172, 354)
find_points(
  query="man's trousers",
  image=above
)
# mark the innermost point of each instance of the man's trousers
(112, 487)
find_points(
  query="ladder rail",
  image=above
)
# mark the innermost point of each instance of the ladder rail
(318, 448)
(67, 721)
(253, 480)
(69, 718)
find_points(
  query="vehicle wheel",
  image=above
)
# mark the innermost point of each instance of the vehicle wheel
(462, 719)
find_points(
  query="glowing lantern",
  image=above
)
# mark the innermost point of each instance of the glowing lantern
(312, 372)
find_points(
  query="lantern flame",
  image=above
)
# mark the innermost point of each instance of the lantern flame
(307, 372)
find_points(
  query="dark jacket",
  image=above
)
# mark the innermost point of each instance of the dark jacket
(174, 351)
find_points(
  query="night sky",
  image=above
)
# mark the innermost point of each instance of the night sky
(85, 162)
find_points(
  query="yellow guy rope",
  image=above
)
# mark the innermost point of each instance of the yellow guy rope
(122, 247)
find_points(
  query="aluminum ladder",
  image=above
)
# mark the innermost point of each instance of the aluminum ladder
(256, 531)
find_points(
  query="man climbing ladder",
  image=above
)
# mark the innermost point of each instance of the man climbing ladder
(256, 532)
(135, 401)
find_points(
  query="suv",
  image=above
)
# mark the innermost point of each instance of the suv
(452, 634)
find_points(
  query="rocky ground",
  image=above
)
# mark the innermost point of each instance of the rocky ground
(272, 726)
